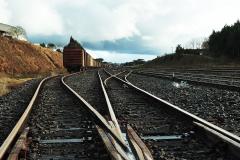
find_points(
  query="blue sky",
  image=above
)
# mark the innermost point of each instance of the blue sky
(128, 28)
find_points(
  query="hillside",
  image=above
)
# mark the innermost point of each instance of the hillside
(187, 61)
(19, 57)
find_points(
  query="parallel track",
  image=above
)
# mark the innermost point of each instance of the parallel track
(66, 115)
(228, 80)
(60, 126)
(187, 120)
(216, 104)
(61, 129)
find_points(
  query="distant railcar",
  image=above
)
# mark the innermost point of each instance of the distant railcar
(76, 58)
(73, 56)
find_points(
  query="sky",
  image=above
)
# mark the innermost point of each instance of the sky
(120, 30)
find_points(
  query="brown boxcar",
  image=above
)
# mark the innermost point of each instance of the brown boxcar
(73, 56)
(76, 58)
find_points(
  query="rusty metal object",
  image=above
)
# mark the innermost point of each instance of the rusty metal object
(116, 145)
(138, 146)
(22, 121)
(233, 146)
(136, 149)
(111, 76)
(187, 114)
(232, 139)
(110, 109)
(109, 146)
(96, 115)
(21, 145)
(146, 152)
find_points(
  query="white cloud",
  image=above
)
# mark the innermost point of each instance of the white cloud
(162, 24)
(36, 16)
(4, 12)
(119, 57)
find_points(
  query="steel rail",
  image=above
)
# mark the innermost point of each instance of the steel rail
(21, 122)
(233, 69)
(186, 113)
(194, 75)
(140, 149)
(114, 76)
(224, 78)
(110, 108)
(114, 154)
(95, 113)
(216, 82)
(105, 81)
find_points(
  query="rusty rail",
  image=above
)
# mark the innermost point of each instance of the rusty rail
(21, 122)
(190, 115)
(110, 109)
(230, 138)
(96, 114)
(21, 144)
(140, 150)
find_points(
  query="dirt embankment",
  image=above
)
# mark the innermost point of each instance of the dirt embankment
(19, 57)
(21, 61)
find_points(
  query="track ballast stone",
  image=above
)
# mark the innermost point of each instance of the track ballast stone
(13, 104)
(150, 119)
(61, 128)
(218, 106)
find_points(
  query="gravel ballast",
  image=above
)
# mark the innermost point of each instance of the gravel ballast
(219, 106)
(13, 105)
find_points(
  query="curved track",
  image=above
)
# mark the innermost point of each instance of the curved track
(221, 104)
(161, 124)
(73, 112)
(227, 80)
(60, 128)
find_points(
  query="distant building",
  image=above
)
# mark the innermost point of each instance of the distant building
(5, 30)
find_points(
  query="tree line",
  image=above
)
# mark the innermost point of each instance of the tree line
(225, 42)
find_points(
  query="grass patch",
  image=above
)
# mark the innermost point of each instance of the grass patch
(191, 61)
(8, 83)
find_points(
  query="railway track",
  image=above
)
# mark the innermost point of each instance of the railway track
(222, 81)
(13, 105)
(65, 126)
(184, 125)
(60, 128)
(79, 115)
(152, 127)
(221, 104)
(216, 71)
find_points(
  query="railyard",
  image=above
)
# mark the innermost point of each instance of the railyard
(119, 80)
(94, 114)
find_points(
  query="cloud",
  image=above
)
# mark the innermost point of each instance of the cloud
(4, 12)
(36, 16)
(115, 57)
(132, 45)
(134, 26)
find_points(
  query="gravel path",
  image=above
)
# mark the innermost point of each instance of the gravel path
(218, 106)
(13, 105)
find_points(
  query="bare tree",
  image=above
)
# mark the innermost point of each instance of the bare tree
(205, 44)
(192, 43)
(196, 43)
(18, 31)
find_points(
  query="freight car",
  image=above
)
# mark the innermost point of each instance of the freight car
(75, 57)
